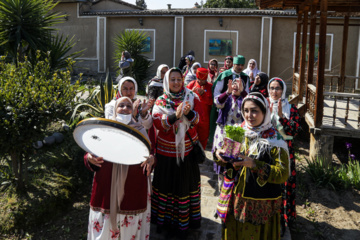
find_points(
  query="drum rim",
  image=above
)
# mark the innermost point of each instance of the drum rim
(108, 122)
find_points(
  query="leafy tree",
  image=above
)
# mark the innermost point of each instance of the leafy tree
(141, 3)
(230, 4)
(133, 41)
(27, 26)
(31, 97)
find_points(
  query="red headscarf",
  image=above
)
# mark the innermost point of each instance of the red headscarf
(213, 74)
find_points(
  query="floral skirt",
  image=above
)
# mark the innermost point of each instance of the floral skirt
(130, 227)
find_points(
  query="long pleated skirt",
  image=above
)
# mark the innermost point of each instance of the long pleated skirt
(175, 203)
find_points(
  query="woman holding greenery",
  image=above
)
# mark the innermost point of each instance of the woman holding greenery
(250, 199)
(229, 104)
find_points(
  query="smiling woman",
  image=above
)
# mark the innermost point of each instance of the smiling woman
(254, 184)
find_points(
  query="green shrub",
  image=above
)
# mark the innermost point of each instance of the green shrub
(31, 97)
(133, 41)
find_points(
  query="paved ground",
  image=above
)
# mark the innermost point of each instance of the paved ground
(210, 227)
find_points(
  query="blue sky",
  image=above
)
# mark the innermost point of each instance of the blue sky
(161, 4)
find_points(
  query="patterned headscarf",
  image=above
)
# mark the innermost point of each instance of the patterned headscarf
(167, 105)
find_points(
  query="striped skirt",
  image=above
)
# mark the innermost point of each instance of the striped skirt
(175, 203)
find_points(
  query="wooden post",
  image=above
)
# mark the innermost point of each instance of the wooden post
(341, 83)
(319, 100)
(303, 56)
(297, 48)
(321, 146)
(310, 67)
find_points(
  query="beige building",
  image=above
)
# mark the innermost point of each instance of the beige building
(268, 36)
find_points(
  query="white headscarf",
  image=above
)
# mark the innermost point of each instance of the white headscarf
(158, 72)
(124, 79)
(255, 71)
(191, 74)
(183, 124)
(286, 106)
(257, 143)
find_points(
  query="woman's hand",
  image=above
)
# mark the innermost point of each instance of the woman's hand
(217, 154)
(251, 75)
(179, 111)
(187, 108)
(146, 106)
(147, 165)
(230, 88)
(136, 107)
(97, 161)
(280, 114)
(247, 162)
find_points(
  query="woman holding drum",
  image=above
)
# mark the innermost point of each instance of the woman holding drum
(120, 197)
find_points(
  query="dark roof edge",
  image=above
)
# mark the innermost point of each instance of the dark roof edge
(191, 12)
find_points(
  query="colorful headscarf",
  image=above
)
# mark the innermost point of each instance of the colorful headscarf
(213, 73)
(167, 105)
(258, 143)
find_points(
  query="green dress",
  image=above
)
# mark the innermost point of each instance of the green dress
(252, 210)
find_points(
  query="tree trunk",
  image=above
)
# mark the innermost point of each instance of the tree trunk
(14, 162)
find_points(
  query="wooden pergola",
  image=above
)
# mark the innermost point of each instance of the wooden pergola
(331, 113)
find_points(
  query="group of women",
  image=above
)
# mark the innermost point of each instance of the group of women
(176, 115)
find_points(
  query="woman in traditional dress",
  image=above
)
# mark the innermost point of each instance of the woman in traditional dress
(120, 197)
(286, 118)
(252, 69)
(213, 69)
(203, 89)
(128, 88)
(250, 198)
(229, 105)
(260, 84)
(227, 65)
(176, 184)
(155, 85)
(191, 76)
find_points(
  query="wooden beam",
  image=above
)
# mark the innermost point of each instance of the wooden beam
(311, 54)
(319, 98)
(302, 83)
(297, 44)
(341, 83)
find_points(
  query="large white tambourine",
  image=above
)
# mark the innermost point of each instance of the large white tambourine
(114, 141)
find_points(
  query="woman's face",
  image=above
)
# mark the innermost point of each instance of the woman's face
(128, 89)
(253, 114)
(163, 71)
(237, 87)
(175, 82)
(187, 61)
(124, 107)
(252, 65)
(212, 65)
(195, 68)
(275, 90)
(229, 63)
(257, 80)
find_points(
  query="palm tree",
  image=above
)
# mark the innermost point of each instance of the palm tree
(26, 25)
(133, 41)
